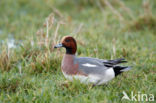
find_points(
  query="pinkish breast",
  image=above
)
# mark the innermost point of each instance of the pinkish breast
(68, 65)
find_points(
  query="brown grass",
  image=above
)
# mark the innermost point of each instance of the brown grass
(143, 22)
(6, 60)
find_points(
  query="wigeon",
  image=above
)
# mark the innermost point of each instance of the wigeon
(86, 69)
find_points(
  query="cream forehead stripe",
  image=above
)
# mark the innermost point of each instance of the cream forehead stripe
(89, 65)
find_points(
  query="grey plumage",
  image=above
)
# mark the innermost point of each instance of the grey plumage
(101, 65)
(99, 69)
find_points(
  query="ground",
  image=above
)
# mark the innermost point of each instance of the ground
(30, 67)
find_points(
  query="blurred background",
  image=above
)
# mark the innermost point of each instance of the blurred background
(22, 18)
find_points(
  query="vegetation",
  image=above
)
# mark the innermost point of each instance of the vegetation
(30, 67)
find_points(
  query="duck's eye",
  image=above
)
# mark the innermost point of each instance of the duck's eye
(67, 40)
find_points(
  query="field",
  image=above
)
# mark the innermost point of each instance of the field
(30, 68)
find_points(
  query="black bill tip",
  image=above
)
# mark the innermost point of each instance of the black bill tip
(58, 45)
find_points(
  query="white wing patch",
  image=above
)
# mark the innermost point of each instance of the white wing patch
(89, 65)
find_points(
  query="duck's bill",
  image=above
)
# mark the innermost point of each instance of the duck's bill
(58, 46)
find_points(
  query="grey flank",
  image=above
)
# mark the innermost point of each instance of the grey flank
(101, 65)
(98, 70)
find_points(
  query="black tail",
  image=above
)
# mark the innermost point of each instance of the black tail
(111, 63)
(119, 69)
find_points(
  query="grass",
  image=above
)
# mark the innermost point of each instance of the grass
(30, 72)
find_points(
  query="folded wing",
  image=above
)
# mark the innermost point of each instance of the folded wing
(96, 66)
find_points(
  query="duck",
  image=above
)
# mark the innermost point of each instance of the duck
(87, 69)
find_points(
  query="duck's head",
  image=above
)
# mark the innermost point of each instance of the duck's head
(69, 43)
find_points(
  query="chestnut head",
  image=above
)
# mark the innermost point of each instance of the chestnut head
(69, 43)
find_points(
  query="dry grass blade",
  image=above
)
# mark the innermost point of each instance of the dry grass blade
(113, 10)
(47, 34)
(42, 37)
(55, 34)
(114, 48)
(49, 23)
(5, 61)
(77, 30)
(128, 11)
(50, 20)
(99, 5)
(147, 7)
(57, 12)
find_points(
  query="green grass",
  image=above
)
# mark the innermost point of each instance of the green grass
(40, 78)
